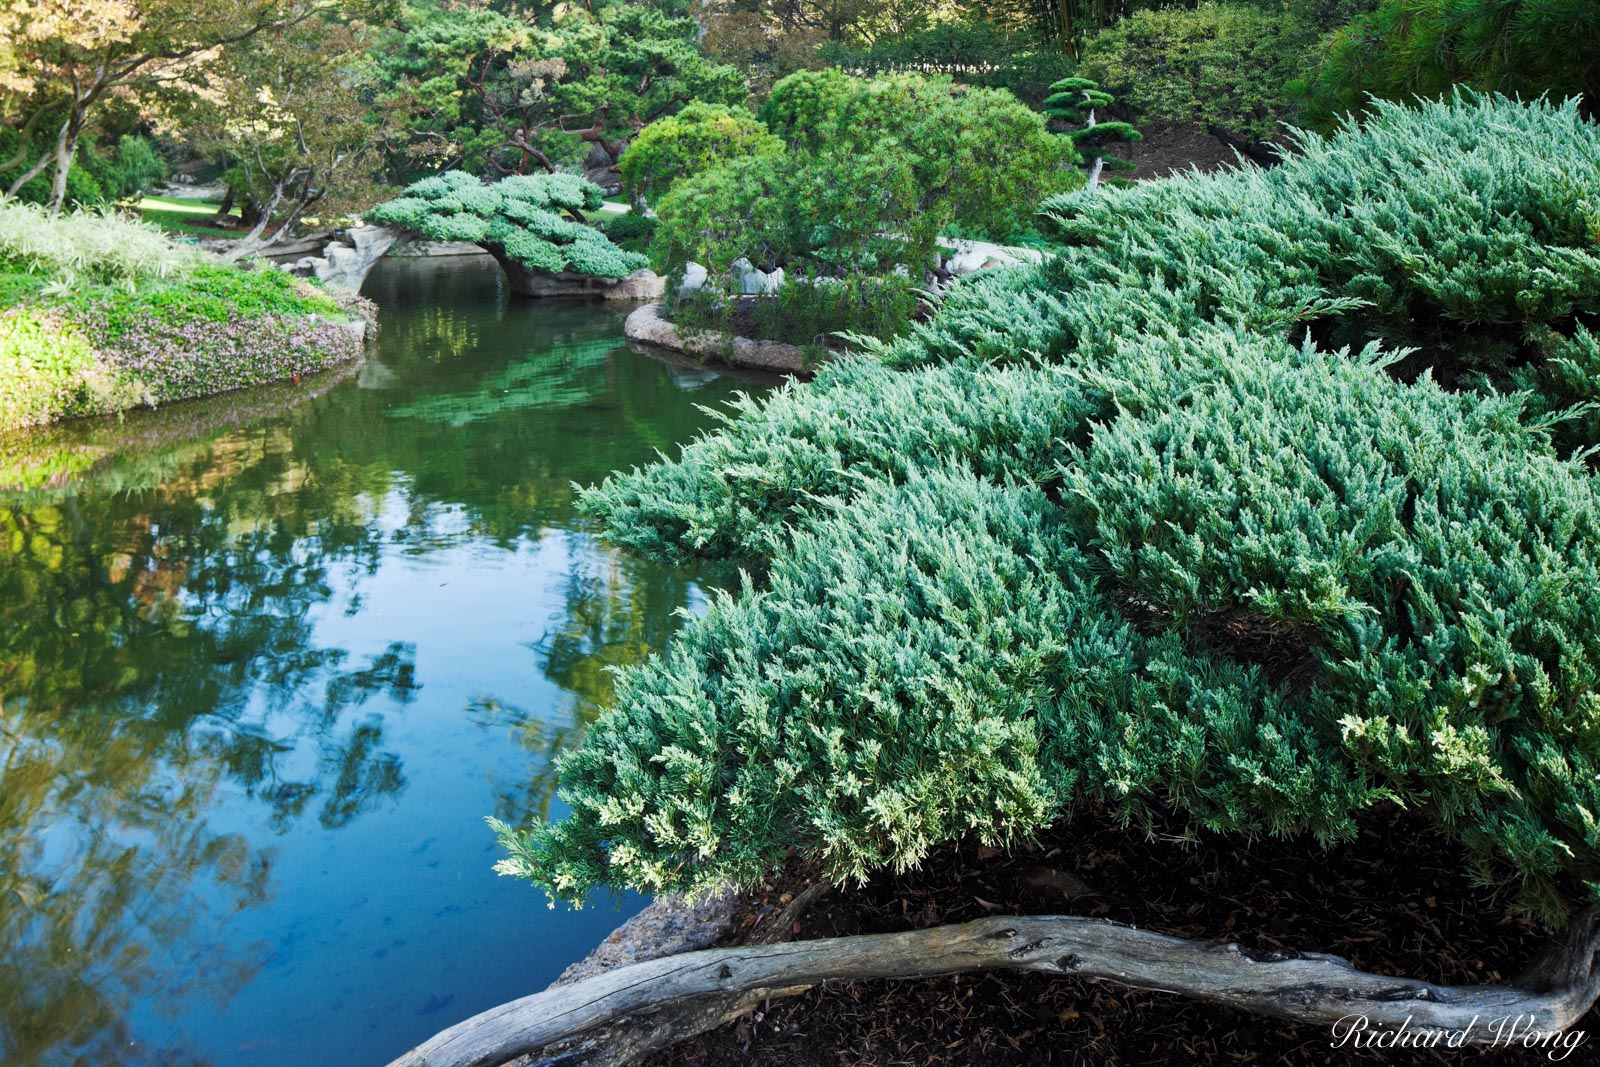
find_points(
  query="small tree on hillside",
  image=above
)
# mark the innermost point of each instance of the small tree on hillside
(1074, 102)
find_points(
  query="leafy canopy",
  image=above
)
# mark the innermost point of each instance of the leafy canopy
(1412, 48)
(534, 89)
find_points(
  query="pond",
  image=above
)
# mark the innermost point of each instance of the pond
(265, 667)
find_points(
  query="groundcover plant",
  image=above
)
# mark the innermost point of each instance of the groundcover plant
(1265, 501)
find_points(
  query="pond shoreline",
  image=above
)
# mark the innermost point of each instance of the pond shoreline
(646, 325)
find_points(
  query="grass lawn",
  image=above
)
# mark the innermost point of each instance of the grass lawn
(180, 215)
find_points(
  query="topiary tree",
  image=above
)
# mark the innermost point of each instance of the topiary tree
(696, 139)
(527, 222)
(1073, 102)
(1205, 544)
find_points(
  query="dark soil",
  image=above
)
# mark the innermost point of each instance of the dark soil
(1396, 901)
(1169, 147)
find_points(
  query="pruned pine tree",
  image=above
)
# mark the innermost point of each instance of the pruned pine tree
(1076, 103)
(535, 221)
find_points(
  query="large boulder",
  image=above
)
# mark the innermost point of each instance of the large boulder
(346, 260)
(749, 281)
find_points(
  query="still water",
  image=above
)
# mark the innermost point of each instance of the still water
(265, 667)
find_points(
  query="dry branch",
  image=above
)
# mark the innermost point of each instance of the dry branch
(1303, 987)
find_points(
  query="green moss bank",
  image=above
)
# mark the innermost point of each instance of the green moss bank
(71, 346)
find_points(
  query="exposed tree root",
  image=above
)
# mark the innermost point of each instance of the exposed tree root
(1304, 987)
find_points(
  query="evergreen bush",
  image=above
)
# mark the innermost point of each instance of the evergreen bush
(1174, 522)
(535, 220)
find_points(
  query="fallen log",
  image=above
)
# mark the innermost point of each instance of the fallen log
(1315, 988)
(635, 1036)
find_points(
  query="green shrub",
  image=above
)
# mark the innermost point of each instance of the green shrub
(46, 369)
(519, 219)
(215, 293)
(1229, 63)
(631, 231)
(1126, 533)
(693, 141)
(873, 172)
(131, 167)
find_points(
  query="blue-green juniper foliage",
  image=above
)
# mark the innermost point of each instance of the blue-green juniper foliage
(1265, 502)
(532, 219)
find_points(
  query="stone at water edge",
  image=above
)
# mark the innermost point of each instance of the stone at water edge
(642, 284)
(694, 277)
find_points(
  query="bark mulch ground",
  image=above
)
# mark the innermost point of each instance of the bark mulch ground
(1396, 900)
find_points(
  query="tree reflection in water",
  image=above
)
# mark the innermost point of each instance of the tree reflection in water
(176, 635)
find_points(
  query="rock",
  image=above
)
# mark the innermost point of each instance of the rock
(640, 285)
(346, 260)
(748, 281)
(694, 277)
(646, 325)
(668, 926)
(528, 281)
(969, 257)
(351, 257)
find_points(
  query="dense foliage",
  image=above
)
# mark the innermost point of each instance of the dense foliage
(1225, 63)
(871, 173)
(696, 139)
(1409, 48)
(534, 220)
(505, 90)
(1135, 531)
(103, 314)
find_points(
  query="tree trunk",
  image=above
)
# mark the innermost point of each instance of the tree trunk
(1310, 988)
(1099, 163)
(66, 149)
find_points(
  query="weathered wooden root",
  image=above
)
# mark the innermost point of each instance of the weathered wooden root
(1303, 987)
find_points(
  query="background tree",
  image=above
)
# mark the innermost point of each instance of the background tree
(1423, 47)
(537, 89)
(73, 58)
(300, 122)
(1231, 65)
(1077, 102)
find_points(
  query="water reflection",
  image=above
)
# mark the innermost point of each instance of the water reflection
(262, 675)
